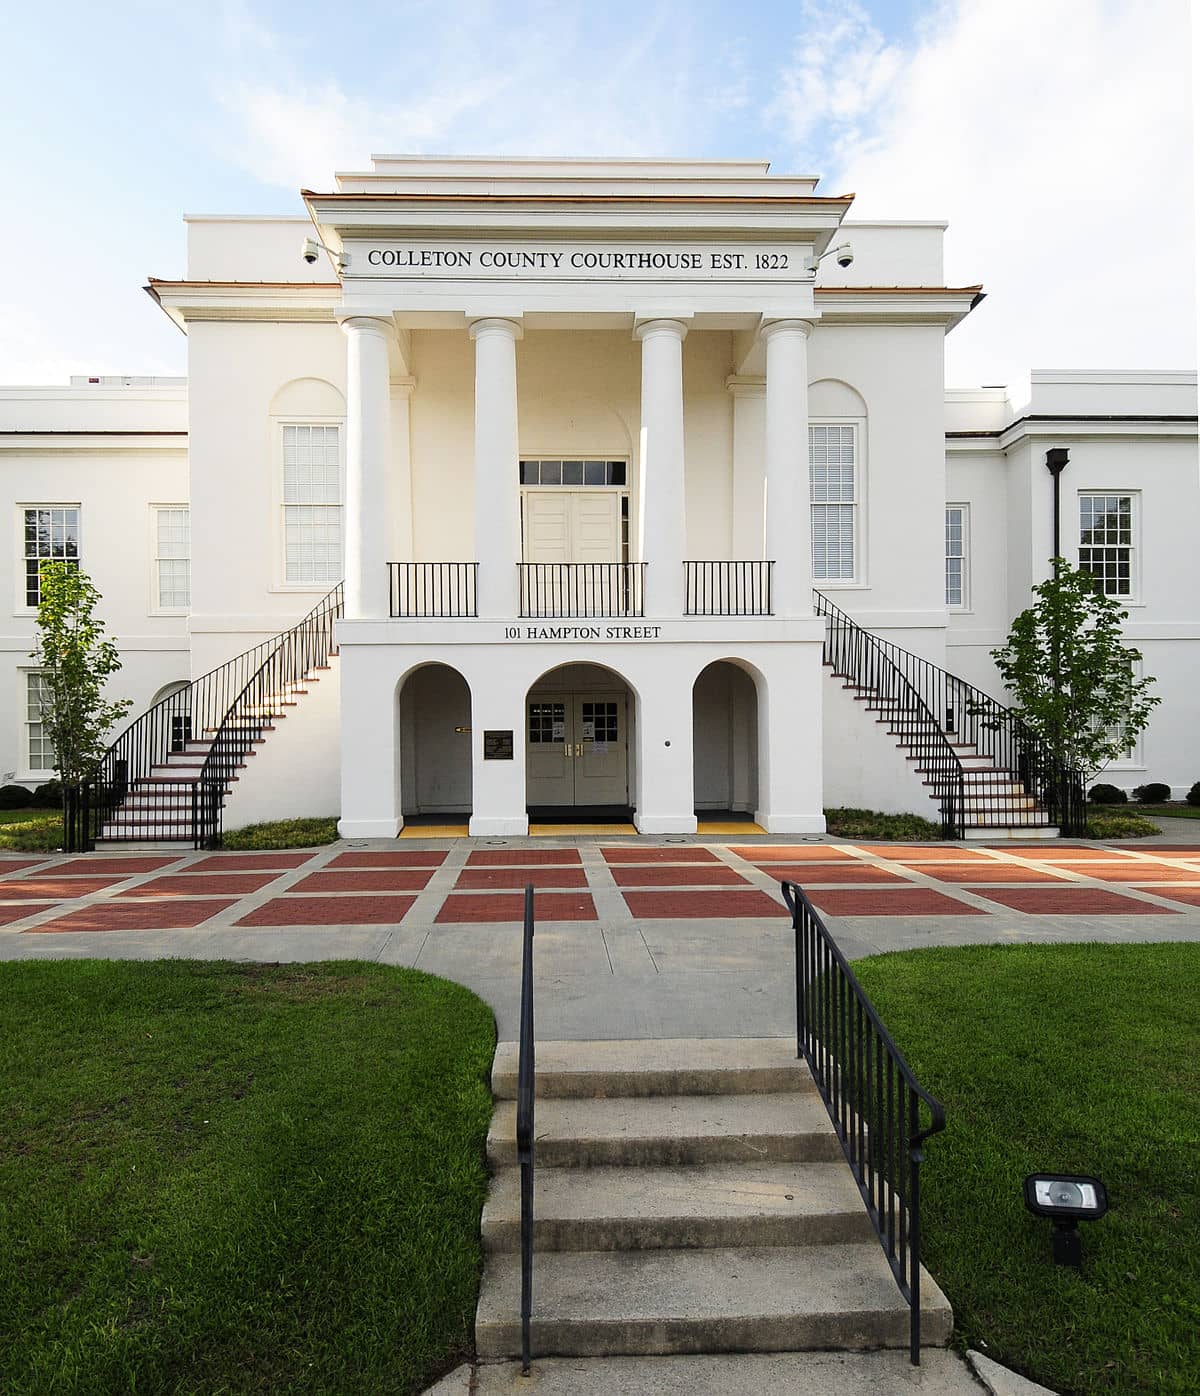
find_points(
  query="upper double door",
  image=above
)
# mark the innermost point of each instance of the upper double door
(580, 527)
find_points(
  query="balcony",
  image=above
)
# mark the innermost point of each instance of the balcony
(582, 588)
(433, 590)
(727, 588)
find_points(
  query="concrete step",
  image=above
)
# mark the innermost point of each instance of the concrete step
(715, 1205)
(662, 1066)
(790, 1126)
(1025, 832)
(765, 1299)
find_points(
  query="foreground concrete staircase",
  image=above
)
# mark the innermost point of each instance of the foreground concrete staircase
(690, 1197)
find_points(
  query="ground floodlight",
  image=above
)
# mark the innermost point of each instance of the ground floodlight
(1066, 1199)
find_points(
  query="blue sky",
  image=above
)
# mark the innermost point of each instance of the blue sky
(1055, 135)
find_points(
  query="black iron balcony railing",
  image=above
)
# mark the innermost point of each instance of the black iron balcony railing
(433, 590)
(881, 1113)
(728, 588)
(582, 588)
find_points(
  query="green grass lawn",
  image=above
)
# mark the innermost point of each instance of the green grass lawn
(1069, 1059)
(1179, 811)
(238, 1178)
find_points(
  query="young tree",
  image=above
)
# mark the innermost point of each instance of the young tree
(76, 661)
(1072, 675)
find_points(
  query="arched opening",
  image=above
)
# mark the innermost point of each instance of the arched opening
(176, 721)
(725, 739)
(579, 744)
(435, 742)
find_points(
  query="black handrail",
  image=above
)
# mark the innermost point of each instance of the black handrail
(272, 687)
(126, 782)
(870, 664)
(525, 1126)
(728, 588)
(873, 1099)
(582, 588)
(930, 709)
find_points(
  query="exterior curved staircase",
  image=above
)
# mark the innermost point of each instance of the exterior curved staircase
(167, 776)
(988, 775)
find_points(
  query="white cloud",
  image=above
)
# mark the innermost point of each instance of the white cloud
(1055, 138)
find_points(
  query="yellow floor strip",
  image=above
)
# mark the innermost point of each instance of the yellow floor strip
(434, 831)
(551, 830)
(736, 826)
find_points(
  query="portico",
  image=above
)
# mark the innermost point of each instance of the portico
(598, 345)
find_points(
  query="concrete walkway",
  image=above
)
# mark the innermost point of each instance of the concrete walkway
(636, 938)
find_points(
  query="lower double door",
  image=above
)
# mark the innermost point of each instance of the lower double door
(577, 751)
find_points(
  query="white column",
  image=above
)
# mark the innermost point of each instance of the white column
(400, 504)
(663, 531)
(787, 527)
(497, 487)
(368, 453)
(749, 401)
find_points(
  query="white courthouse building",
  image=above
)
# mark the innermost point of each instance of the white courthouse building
(582, 437)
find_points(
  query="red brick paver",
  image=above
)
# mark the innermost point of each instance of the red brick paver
(15, 865)
(1189, 896)
(1068, 901)
(8, 914)
(521, 857)
(386, 858)
(925, 853)
(507, 879)
(381, 880)
(91, 866)
(678, 853)
(42, 888)
(248, 862)
(710, 875)
(703, 905)
(1143, 872)
(128, 916)
(1069, 853)
(329, 911)
(991, 872)
(505, 906)
(816, 873)
(201, 885)
(784, 853)
(889, 901)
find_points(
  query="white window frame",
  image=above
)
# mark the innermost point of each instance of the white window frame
(279, 507)
(1134, 598)
(964, 604)
(21, 605)
(859, 504)
(156, 606)
(30, 772)
(1135, 759)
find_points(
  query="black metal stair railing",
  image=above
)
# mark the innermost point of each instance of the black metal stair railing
(526, 1094)
(271, 688)
(154, 775)
(877, 1106)
(866, 662)
(932, 711)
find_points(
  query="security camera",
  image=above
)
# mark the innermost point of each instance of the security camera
(310, 250)
(844, 255)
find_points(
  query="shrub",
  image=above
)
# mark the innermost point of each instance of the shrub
(14, 797)
(1103, 825)
(1156, 793)
(1107, 795)
(283, 833)
(1193, 795)
(48, 796)
(869, 824)
(34, 836)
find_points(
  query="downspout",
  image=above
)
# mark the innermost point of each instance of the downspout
(1056, 463)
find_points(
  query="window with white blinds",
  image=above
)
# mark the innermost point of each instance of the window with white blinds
(833, 495)
(957, 554)
(173, 557)
(312, 504)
